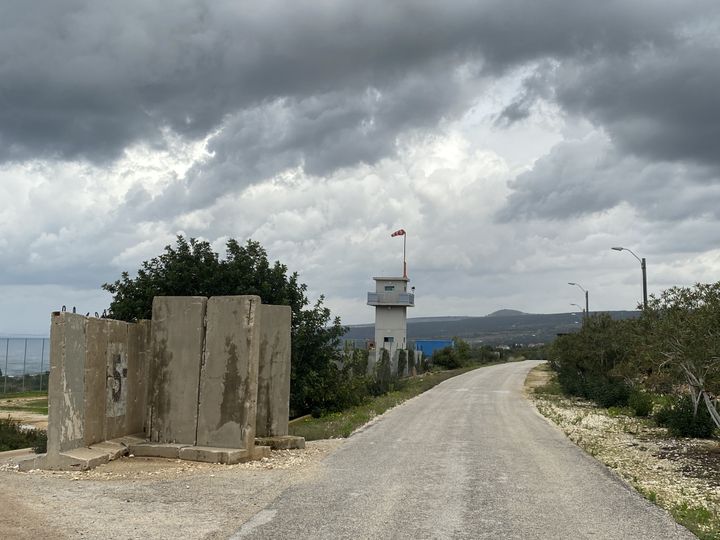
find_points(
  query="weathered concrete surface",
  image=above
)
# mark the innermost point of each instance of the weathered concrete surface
(273, 402)
(66, 385)
(116, 386)
(228, 380)
(470, 459)
(161, 450)
(177, 346)
(138, 375)
(96, 340)
(211, 454)
(283, 442)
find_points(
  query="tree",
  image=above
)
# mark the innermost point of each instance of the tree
(681, 328)
(192, 268)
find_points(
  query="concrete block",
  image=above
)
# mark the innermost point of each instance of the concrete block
(160, 450)
(95, 380)
(228, 381)
(115, 366)
(178, 329)
(113, 449)
(138, 375)
(285, 442)
(273, 404)
(260, 452)
(66, 385)
(128, 440)
(82, 459)
(210, 454)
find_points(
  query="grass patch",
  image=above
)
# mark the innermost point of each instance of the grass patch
(38, 406)
(12, 437)
(698, 520)
(28, 394)
(342, 424)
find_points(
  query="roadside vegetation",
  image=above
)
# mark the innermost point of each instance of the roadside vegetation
(664, 364)
(655, 380)
(343, 423)
(680, 474)
(14, 436)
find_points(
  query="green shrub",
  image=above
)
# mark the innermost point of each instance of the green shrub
(12, 436)
(608, 392)
(447, 358)
(641, 402)
(681, 420)
(40, 446)
(402, 362)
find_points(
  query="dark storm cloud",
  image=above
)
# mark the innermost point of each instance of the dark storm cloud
(86, 79)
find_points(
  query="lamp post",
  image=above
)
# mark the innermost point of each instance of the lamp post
(587, 304)
(582, 309)
(643, 267)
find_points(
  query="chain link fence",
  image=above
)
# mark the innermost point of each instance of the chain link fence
(24, 364)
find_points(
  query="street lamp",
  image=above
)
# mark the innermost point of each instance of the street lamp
(582, 310)
(587, 305)
(643, 266)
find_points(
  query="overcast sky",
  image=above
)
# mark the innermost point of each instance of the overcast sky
(515, 141)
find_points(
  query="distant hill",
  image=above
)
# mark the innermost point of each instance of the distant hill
(498, 329)
(506, 313)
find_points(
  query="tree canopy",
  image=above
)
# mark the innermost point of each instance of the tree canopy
(192, 268)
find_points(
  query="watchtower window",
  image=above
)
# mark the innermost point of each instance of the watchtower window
(388, 339)
(389, 288)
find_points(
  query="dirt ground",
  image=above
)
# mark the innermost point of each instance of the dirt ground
(38, 421)
(149, 498)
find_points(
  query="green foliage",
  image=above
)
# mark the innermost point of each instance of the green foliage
(681, 328)
(447, 358)
(40, 445)
(342, 424)
(357, 362)
(384, 377)
(402, 362)
(12, 436)
(192, 268)
(588, 362)
(640, 402)
(412, 367)
(682, 420)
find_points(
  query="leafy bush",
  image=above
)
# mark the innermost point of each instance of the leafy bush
(402, 362)
(682, 421)
(12, 436)
(384, 379)
(641, 402)
(40, 446)
(447, 358)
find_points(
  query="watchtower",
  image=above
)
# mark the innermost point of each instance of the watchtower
(391, 300)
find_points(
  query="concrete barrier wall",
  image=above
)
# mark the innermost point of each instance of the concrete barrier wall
(273, 402)
(95, 390)
(178, 332)
(192, 376)
(66, 385)
(229, 375)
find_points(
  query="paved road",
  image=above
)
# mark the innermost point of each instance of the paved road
(469, 459)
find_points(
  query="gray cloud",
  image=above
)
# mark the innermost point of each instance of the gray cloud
(84, 80)
(593, 175)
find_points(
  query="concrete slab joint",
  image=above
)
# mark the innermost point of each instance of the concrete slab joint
(199, 381)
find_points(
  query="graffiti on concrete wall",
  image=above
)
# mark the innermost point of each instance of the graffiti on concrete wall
(116, 403)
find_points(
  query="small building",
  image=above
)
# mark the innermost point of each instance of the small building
(429, 346)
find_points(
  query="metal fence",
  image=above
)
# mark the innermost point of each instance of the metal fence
(24, 364)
